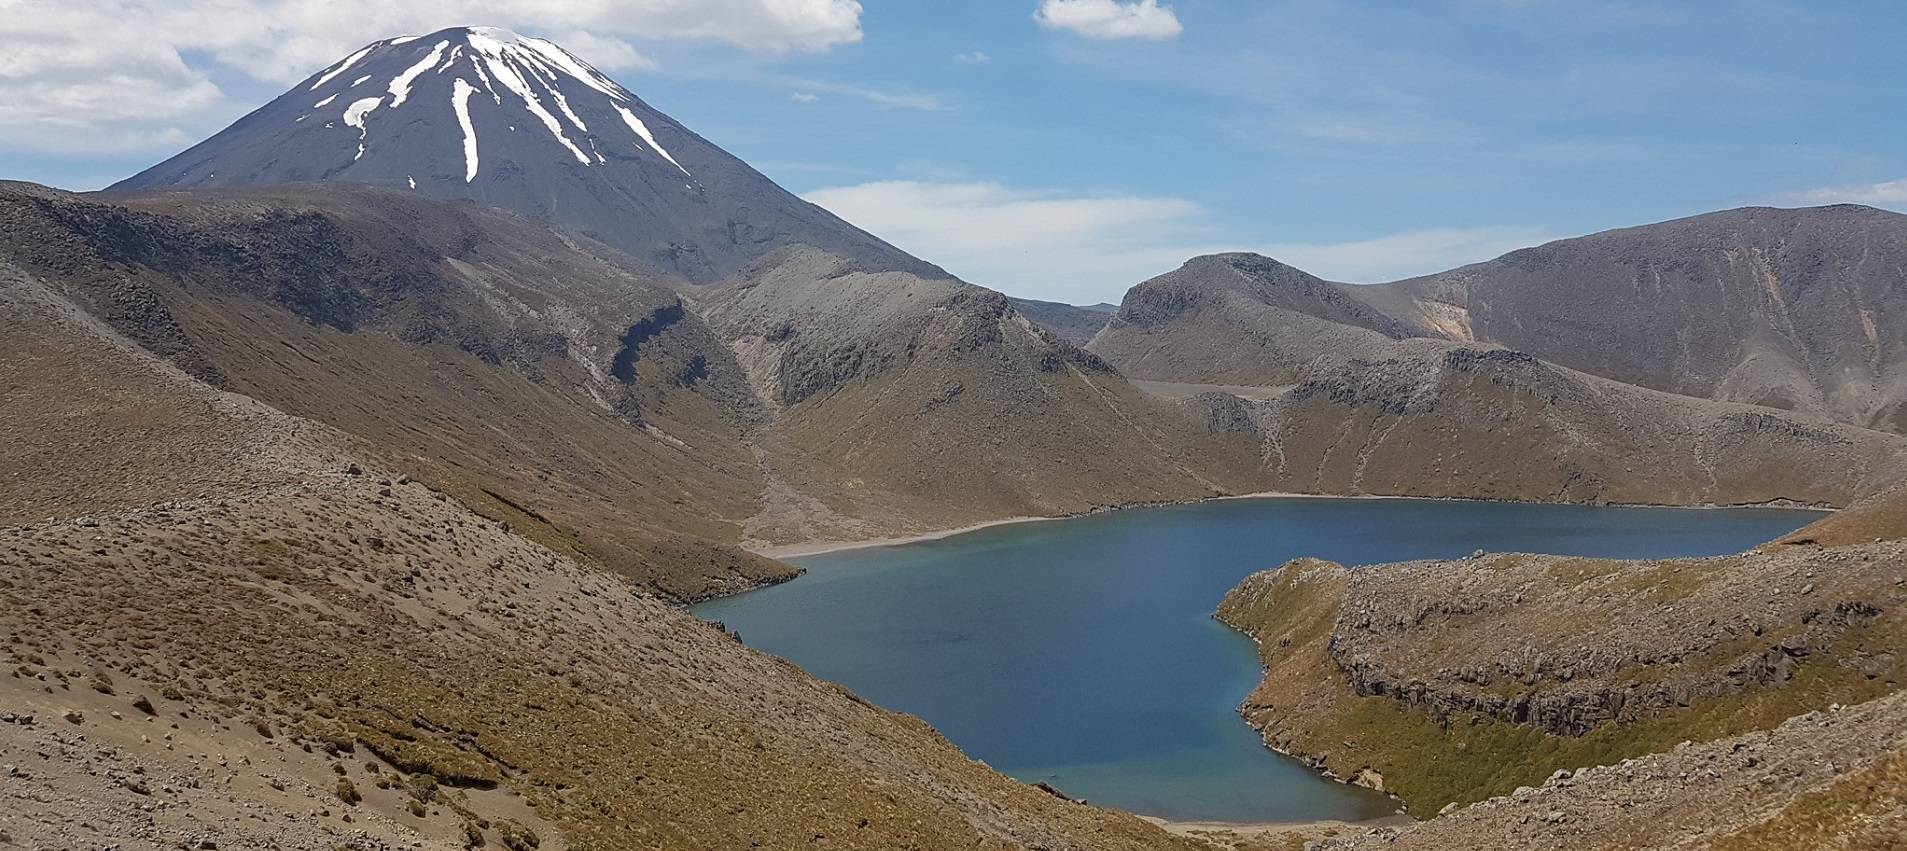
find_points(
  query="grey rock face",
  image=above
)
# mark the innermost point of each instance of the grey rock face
(1210, 279)
(486, 115)
(1350, 398)
(1802, 309)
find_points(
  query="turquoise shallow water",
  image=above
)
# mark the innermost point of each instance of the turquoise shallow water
(1082, 652)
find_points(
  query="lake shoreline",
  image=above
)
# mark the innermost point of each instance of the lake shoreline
(815, 548)
(1265, 830)
(823, 547)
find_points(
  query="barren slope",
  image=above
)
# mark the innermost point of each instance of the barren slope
(1800, 309)
(262, 642)
(1347, 402)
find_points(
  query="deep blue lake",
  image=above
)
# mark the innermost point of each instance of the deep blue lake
(1083, 653)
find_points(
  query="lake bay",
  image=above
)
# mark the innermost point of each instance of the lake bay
(1082, 652)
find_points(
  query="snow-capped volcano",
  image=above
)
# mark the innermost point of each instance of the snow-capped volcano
(518, 122)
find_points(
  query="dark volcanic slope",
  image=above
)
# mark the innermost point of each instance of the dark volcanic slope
(1346, 407)
(1800, 309)
(516, 122)
(544, 380)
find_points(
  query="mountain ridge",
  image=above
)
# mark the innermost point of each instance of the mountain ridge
(1258, 349)
(1752, 304)
(598, 405)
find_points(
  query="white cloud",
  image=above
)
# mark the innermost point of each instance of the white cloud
(972, 57)
(1892, 194)
(977, 217)
(1035, 244)
(882, 97)
(1403, 255)
(1083, 249)
(607, 54)
(1108, 19)
(135, 67)
(804, 97)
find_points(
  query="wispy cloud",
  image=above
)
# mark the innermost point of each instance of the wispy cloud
(1110, 19)
(1030, 243)
(1891, 194)
(972, 57)
(608, 54)
(804, 97)
(1407, 254)
(813, 87)
(1349, 80)
(1085, 248)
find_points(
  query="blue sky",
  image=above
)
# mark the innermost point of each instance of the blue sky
(1071, 157)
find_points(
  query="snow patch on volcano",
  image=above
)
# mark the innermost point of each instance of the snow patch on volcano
(401, 84)
(460, 91)
(341, 67)
(643, 131)
(354, 117)
(503, 70)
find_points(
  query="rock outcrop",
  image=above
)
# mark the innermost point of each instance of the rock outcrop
(1768, 791)
(1642, 637)
(1456, 681)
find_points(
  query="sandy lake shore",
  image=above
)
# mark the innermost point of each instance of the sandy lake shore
(1274, 834)
(810, 548)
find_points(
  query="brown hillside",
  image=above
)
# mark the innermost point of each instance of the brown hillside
(1882, 518)
(265, 644)
(556, 384)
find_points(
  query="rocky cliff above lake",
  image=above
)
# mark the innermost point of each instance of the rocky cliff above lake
(1449, 682)
(1800, 309)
